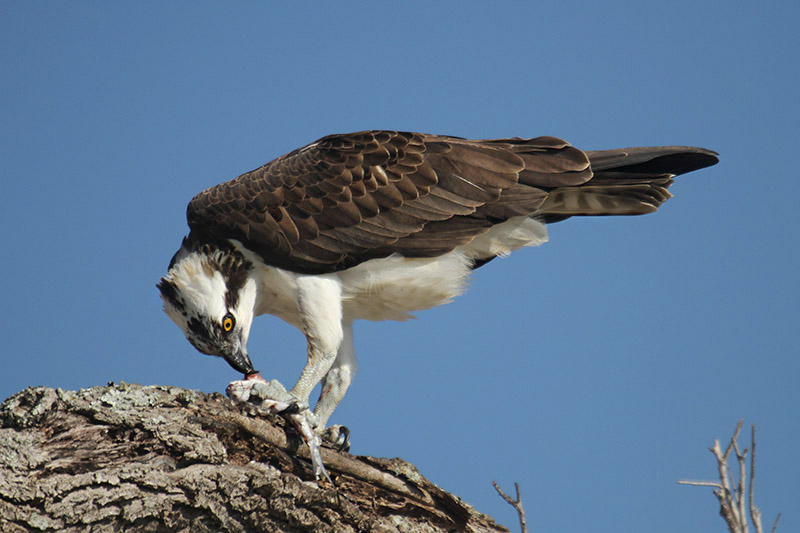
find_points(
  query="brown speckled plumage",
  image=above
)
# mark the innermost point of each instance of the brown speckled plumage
(348, 198)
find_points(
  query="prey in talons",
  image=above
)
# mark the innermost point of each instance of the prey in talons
(261, 393)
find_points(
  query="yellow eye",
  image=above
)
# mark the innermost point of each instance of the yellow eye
(228, 322)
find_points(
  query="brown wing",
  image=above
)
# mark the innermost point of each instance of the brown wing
(348, 198)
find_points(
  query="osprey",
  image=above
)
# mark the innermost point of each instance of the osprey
(377, 224)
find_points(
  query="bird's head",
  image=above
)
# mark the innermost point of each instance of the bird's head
(210, 295)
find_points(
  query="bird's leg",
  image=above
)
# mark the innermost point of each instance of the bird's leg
(334, 387)
(338, 378)
(320, 306)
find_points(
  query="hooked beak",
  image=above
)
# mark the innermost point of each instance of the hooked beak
(239, 359)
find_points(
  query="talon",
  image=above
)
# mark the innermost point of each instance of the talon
(343, 440)
(339, 436)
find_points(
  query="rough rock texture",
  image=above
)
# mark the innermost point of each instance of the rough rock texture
(128, 457)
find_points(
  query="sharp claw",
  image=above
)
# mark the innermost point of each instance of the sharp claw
(343, 441)
(338, 436)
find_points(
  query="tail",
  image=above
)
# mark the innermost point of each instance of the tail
(625, 181)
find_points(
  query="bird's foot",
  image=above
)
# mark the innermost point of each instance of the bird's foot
(337, 435)
(272, 396)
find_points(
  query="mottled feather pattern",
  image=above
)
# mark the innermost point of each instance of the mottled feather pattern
(348, 198)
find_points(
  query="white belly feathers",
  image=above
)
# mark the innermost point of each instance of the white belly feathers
(393, 287)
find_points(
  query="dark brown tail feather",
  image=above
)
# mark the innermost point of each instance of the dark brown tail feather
(625, 181)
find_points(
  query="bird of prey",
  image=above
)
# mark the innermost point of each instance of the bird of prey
(378, 224)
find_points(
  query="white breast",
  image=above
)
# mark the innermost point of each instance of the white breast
(393, 287)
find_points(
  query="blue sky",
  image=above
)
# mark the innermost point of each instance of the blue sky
(595, 370)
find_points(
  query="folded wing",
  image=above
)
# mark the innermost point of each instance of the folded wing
(348, 198)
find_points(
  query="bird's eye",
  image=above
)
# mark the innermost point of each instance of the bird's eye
(228, 322)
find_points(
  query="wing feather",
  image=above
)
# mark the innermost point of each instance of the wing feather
(348, 198)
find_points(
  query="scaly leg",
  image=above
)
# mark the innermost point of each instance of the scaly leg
(338, 378)
(320, 306)
(330, 352)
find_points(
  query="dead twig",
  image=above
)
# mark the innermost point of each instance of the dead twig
(731, 495)
(516, 504)
(775, 525)
(755, 514)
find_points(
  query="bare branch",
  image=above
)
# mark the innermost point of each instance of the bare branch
(735, 437)
(755, 514)
(700, 483)
(741, 459)
(517, 505)
(732, 492)
(775, 525)
(728, 508)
